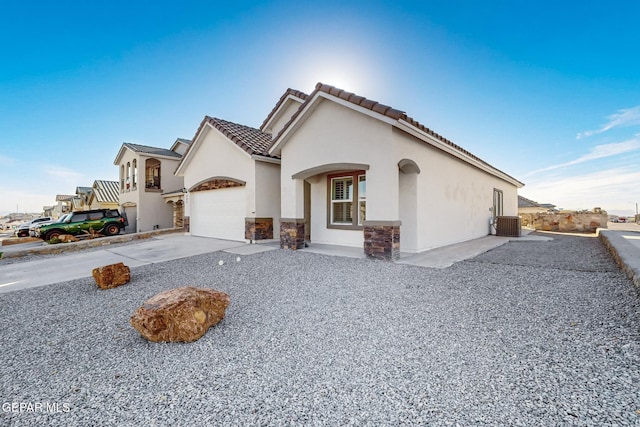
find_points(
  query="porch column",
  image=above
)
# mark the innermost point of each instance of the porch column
(292, 211)
(382, 239)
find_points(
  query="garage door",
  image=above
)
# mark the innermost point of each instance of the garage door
(218, 213)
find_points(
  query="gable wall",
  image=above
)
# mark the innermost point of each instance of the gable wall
(287, 110)
(216, 156)
(333, 133)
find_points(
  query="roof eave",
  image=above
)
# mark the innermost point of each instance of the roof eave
(437, 143)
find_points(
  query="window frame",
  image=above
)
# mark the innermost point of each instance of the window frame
(355, 200)
(498, 203)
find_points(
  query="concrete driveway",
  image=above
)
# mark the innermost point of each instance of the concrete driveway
(76, 265)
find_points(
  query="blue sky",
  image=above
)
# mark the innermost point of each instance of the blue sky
(546, 91)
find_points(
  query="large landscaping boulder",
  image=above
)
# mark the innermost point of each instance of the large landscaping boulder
(180, 315)
(111, 276)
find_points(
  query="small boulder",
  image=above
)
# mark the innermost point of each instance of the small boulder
(180, 315)
(111, 276)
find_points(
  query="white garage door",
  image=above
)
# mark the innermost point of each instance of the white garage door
(218, 213)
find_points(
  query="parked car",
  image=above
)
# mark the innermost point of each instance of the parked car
(33, 228)
(23, 229)
(102, 221)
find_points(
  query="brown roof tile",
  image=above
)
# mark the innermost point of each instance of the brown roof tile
(249, 139)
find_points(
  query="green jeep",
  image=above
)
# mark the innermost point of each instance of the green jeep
(103, 221)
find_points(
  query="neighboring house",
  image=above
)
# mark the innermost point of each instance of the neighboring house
(83, 194)
(64, 205)
(528, 206)
(104, 195)
(47, 211)
(150, 193)
(352, 172)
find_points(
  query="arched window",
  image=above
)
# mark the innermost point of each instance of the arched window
(152, 174)
(134, 178)
(122, 178)
(128, 181)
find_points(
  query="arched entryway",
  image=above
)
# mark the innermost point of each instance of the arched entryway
(408, 172)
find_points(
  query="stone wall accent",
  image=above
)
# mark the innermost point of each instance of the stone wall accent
(185, 223)
(292, 233)
(178, 214)
(216, 184)
(382, 240)
(258, 228)
(571, 222)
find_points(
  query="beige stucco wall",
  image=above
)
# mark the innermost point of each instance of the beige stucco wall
(267, 199)
(151, 208)
(453, 198)
(334, 133)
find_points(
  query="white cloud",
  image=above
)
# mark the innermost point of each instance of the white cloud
(614, 190)
(625, 117)
(63, 174)
(597, 152)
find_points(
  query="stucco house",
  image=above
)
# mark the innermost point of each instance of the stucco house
(336, 168)
(104, 195)
(364, 174)
(149, 193)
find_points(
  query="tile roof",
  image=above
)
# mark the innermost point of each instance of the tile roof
(184, 141)
(155, 151)
(251, 140)
(106, 191)
(292, 92)
(64, 197)
(381, 109)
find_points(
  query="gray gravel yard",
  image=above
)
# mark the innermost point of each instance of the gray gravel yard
(530, 333)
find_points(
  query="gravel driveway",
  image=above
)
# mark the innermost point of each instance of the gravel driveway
(530, 333)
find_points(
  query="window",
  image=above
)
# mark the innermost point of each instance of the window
(128, 182)
(362, 199)
(94, 216)
(497, 203)
(79, 217)
(345, 197)
(152, 174)
(134, 178)
(341, 200)
(122, 178)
